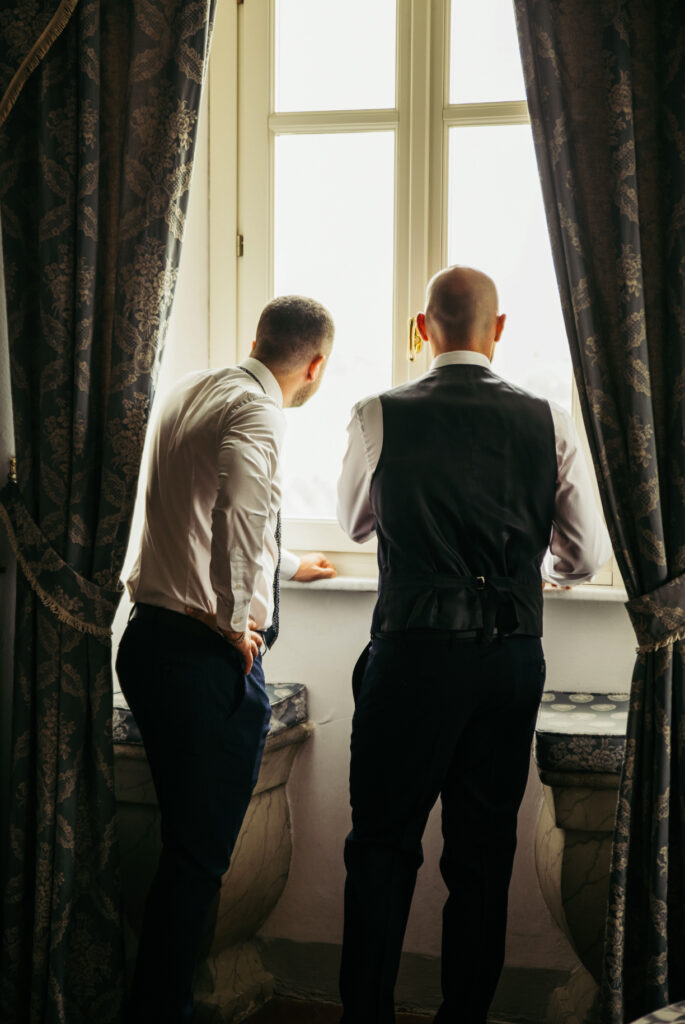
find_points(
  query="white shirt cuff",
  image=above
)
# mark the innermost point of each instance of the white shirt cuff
(290, 563)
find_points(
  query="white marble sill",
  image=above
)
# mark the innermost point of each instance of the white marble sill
(370, 584)
(585, 592)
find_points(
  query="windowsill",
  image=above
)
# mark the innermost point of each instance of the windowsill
(369, 584)
(586, 592)
(363, 583)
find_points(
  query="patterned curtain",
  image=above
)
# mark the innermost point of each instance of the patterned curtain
(99, 104)
(606, 90)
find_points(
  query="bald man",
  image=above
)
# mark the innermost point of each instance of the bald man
(476, 491)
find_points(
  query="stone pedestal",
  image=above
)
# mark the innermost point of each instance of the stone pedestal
(231, 981)
(573, 852)
(579, 751)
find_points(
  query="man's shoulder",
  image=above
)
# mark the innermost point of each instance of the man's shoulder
(224, 395)
(416, 389)
(362, 407)
(518, 394)
(233, 388)
(371, 401)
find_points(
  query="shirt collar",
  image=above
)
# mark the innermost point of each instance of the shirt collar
(461, 356)
(265, 378)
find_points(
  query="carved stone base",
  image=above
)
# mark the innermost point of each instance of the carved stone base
(576, 1001)
(232, 985)
(231, 979)
(573, 850)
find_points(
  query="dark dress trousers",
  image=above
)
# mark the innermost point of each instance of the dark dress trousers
(446, 694)
(204, 724)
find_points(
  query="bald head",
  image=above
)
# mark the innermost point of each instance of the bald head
(461, 311)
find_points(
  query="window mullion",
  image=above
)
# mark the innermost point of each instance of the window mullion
(255, 163)
(468, 114)
(223, 186)
(413, 175)
(437, 208)
(321, 121)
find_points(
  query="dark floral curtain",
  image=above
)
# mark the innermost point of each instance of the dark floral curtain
(99, 105)
(606, 90)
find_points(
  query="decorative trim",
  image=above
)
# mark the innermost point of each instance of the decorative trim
(90, 628)
(673, 638)
(33, 58)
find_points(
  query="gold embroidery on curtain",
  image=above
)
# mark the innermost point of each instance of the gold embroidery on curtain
(35, 55)
(91, 628)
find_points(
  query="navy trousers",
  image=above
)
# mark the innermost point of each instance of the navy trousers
(435, 717)
(203, 724)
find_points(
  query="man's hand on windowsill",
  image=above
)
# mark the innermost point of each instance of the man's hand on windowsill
(314, 566)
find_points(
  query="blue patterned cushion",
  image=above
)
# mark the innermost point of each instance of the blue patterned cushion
(581, 732)
(288, 708)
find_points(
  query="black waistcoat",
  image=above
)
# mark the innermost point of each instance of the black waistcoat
(463, 496)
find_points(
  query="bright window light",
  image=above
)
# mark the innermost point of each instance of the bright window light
(485, 64)
(496, 222)
(334, 54)
(333, 241)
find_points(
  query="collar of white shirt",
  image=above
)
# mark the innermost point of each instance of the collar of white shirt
(462, 356)
(265, 378)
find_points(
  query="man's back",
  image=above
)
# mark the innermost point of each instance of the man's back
(467, 482)
(464, 488)
(204, 414)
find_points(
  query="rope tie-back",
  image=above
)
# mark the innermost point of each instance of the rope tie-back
(74, 600)
(35, 55)
(658, 617)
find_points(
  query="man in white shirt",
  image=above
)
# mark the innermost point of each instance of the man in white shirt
(205, 587)
(472, 486)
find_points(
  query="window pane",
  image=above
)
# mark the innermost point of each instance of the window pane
(485, 63)
(335, 55)
(496, 222)
(333, 241)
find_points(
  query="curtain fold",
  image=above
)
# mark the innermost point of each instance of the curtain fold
(606, 90)
(99, 103)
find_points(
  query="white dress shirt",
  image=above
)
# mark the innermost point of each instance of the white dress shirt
(579, 545)
(213, 494)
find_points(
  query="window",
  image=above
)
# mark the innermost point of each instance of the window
(377, 141)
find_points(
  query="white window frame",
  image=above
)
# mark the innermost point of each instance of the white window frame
(242, 189)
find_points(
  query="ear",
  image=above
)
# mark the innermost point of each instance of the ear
(421, 324)
(499, 325)
(315, 367)
(252, 346)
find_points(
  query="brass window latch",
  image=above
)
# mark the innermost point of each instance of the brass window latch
(415, 339)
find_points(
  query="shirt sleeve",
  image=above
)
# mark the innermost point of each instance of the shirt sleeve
(579, 544)
(290, 563)
(364, 443)
(249, 444)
